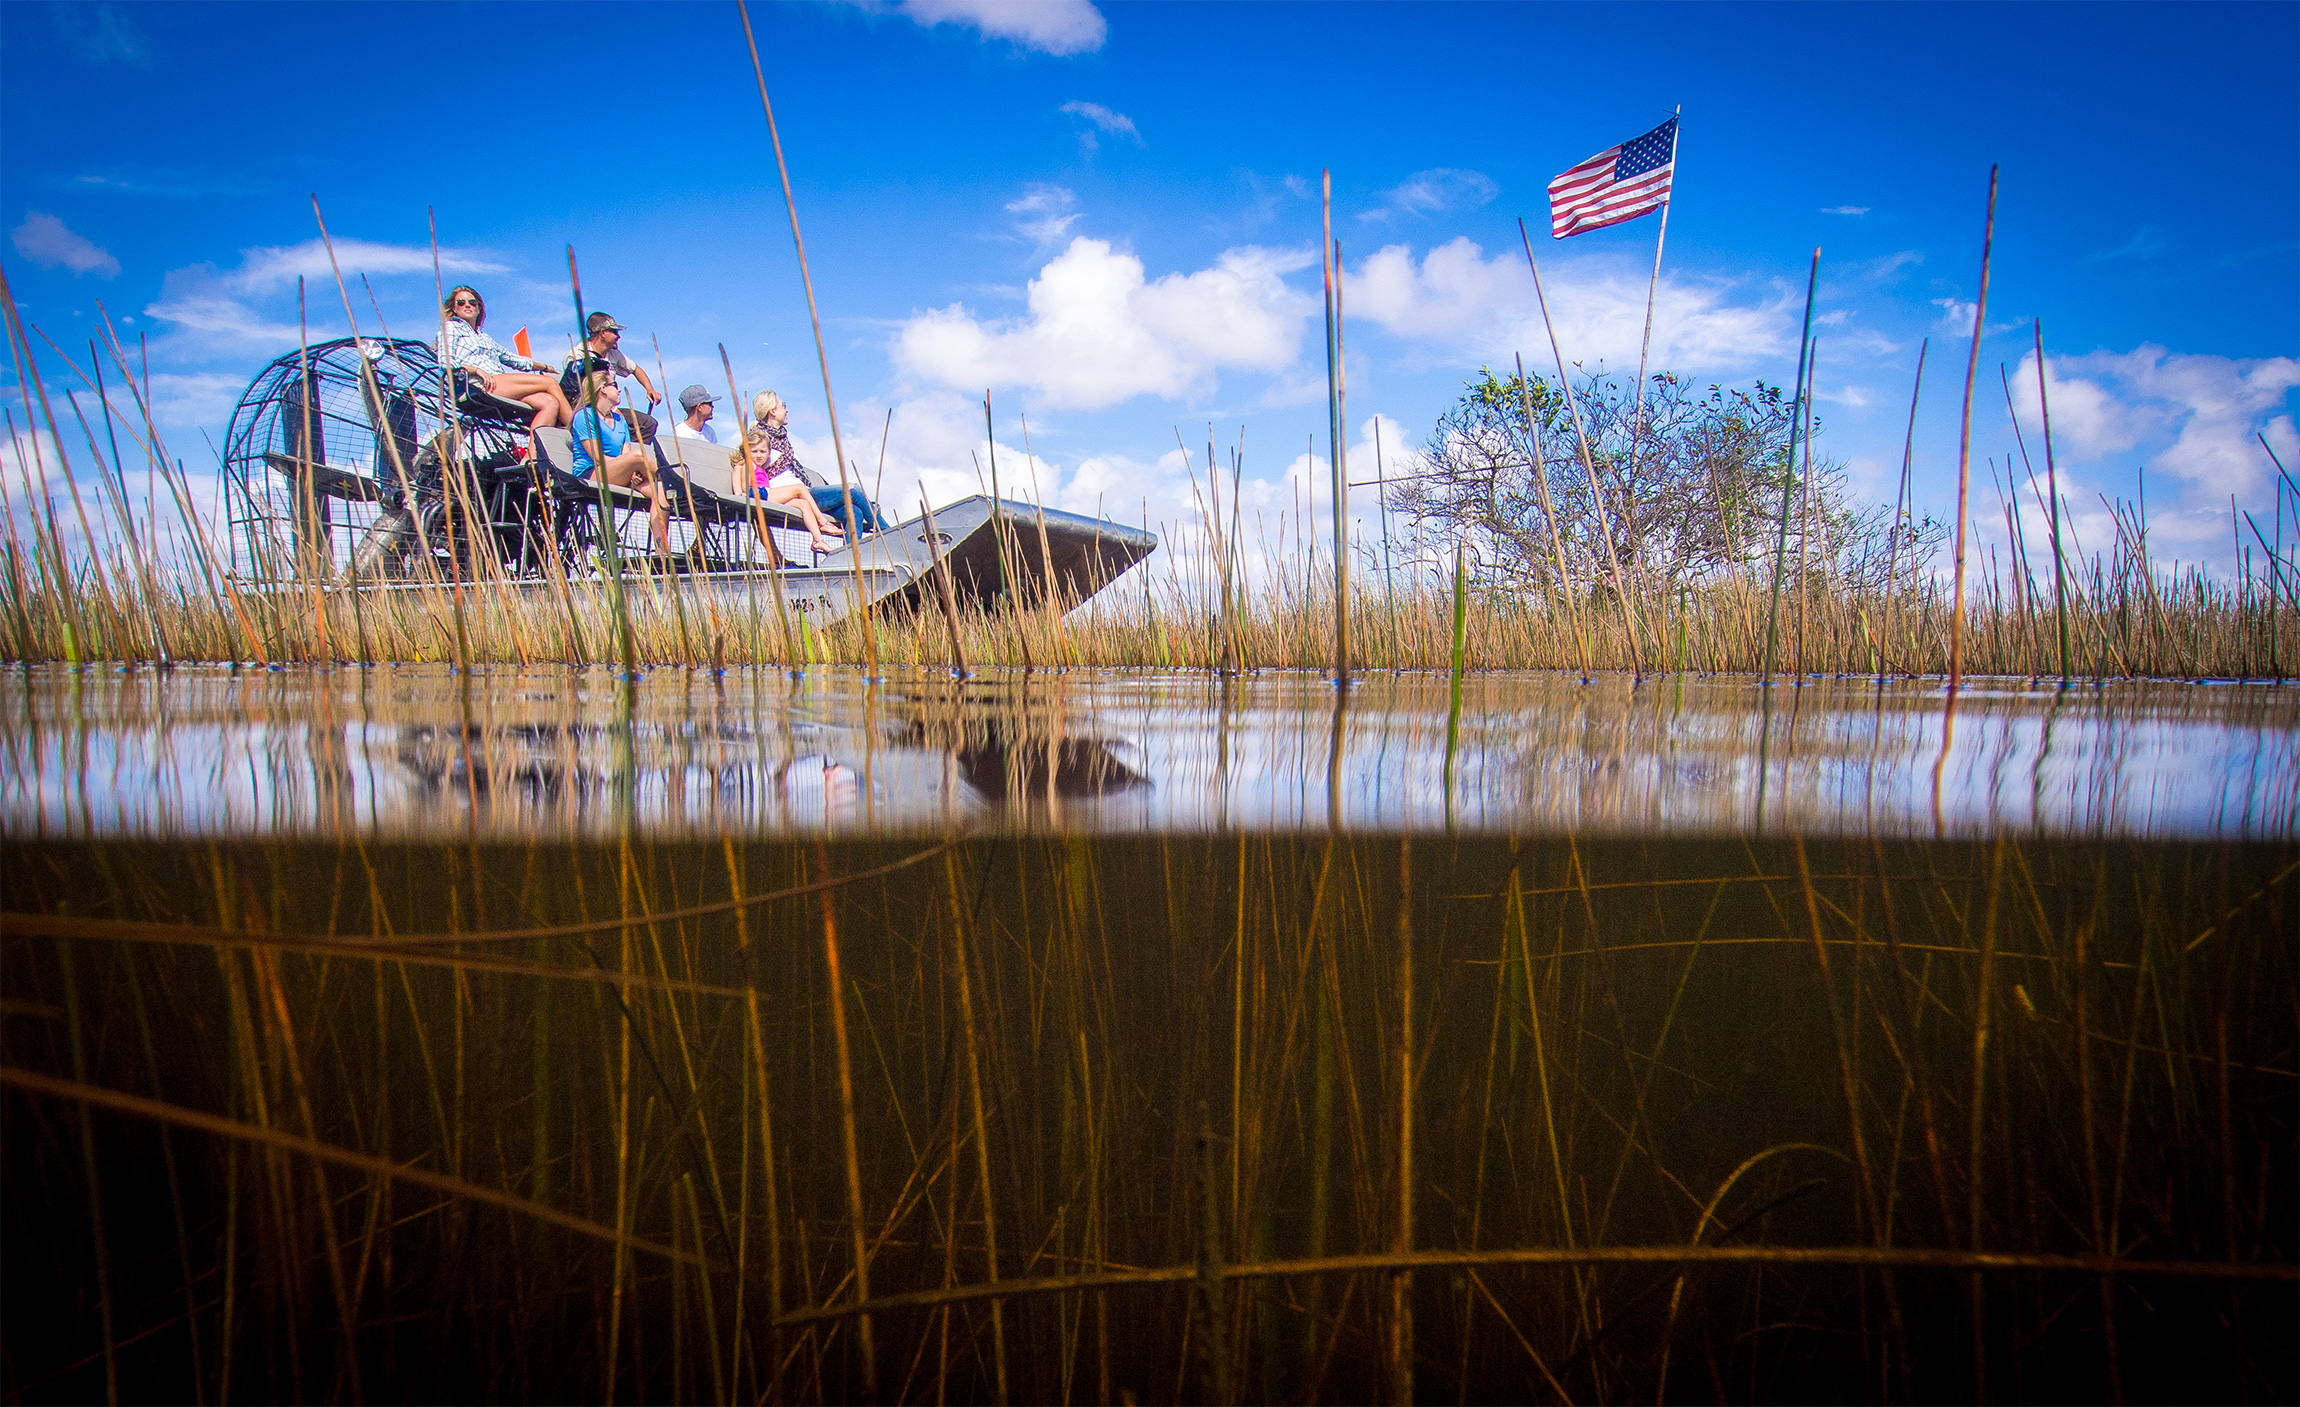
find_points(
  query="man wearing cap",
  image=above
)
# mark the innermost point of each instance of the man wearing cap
(697, 402)
(608, 352)
(605, 346)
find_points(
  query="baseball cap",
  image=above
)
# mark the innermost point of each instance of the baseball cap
(600, 322)
(694, 396)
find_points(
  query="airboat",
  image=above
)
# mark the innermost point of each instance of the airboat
(362, 462)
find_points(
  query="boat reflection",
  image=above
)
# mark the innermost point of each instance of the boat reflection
(512, 754)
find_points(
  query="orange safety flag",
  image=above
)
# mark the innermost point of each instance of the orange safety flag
(519, 341)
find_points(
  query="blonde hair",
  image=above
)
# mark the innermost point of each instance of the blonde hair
(588, 393)
(766, 403)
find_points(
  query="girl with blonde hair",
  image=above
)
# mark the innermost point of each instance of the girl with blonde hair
(845, 507)
(764, 468)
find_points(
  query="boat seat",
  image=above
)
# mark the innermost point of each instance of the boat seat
(477, 402)
(326, 479)
(557, 448)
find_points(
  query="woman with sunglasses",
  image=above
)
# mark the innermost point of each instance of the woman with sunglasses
(502, 373)
(603, 441)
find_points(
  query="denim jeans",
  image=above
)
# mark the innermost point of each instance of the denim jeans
(832, 500)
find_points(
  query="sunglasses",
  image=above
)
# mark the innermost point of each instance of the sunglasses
(466, 302)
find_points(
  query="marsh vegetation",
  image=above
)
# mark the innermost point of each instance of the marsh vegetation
(1239, 1117)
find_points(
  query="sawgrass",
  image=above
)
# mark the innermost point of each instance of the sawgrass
(2129, 622)
(89, 579)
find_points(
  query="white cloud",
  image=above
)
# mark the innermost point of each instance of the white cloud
(1844, 209)
(1486, 307)
(1434, 192)
(1957, 319)
(189, 400)
(1102, 119)
(266, 268)
(1047, 213)
(203, 298)
(937, 443)
(2190, 416)
(48, 242)
(1099, 332)
(1049, 26)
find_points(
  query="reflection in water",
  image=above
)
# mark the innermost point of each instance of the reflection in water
(552, 751)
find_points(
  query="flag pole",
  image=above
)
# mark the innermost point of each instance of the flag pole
(1652, 291)
(1637, 414)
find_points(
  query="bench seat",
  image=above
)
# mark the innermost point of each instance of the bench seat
(688, 499)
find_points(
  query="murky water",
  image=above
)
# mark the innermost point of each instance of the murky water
(533, 1034)
(422, 752)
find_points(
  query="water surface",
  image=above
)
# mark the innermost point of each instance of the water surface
(508, 753)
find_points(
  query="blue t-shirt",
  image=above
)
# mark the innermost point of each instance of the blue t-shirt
(611, 433)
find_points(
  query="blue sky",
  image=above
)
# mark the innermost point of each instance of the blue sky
(1108, 216)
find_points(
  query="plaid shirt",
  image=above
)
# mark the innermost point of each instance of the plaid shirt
(462, 345)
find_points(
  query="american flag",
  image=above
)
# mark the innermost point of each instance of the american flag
(1619, 183)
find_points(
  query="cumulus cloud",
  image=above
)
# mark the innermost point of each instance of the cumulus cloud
(937, 445)
(1049, 26)
(2191, 416)
(1434, 192)
(1099, 331)
(1459, 298)
(1101, 119)
(48, 242)
(224, 303)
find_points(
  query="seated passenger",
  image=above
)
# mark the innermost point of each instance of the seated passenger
(463, 347)
(772, 419)
(605, 346)
(602, 439)
(765, 470)
(698, 402)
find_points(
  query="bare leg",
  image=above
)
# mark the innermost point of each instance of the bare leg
(630, 470)
(541, 392)
(818, 526)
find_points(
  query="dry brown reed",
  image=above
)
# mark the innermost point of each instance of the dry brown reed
(2127, 618)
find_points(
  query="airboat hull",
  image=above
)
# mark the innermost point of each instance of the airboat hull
(1000, 554)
